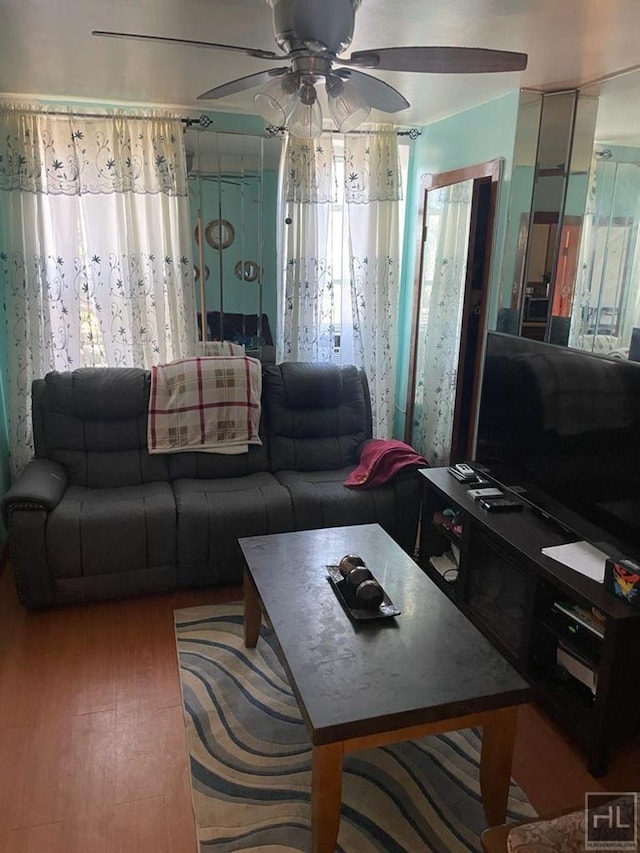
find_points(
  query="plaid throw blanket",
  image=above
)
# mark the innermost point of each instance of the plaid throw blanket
(206, 404)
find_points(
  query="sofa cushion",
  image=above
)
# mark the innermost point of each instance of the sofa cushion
(93, 421)
(320, 499)
(105, 531)
(208, 466)
(213, 514)
(316, 415)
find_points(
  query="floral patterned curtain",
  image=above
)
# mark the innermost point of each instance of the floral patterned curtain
(94, 248)
(372, 193)
(585, 261)
(341, 238)
(306, 292)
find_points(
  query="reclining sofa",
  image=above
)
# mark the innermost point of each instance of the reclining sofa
(95, 516)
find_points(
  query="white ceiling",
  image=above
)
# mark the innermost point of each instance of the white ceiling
(47, 51)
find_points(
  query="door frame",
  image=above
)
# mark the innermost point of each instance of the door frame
(481, 174)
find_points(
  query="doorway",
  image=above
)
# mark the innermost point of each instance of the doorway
(450, 306)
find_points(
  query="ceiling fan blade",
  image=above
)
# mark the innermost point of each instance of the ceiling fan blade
(241, 84)
(259, 54)
(439, 60)
(376, 92)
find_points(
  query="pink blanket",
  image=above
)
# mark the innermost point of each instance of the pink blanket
(206, 404)
(380, 460)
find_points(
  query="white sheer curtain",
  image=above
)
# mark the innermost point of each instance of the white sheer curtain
(341, 258)
(306, 292)
(584, 274)
(444, 268)
(372, 194)
(94, 248)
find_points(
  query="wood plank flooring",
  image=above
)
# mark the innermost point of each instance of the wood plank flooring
(92, 741)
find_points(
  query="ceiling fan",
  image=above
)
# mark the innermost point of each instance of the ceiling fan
(312, 35)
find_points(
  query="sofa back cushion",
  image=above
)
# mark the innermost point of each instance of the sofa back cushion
(210, 466)
(316, 415)
(93, 421)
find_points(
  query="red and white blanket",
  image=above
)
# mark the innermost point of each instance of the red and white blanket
(209, 404)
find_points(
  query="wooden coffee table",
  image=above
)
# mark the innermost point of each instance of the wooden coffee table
(361, 685)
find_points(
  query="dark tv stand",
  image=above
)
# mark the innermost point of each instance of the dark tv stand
(525, 603)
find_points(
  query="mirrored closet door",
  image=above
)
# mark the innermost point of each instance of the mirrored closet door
(233, 180)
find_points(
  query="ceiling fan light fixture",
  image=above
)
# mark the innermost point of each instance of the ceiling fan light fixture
(306, 119)
(347, 106)
(276, 101)
(312, 34)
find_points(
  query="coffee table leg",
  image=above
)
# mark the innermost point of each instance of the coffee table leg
(326, 797)
(252, 614)
(498, 738)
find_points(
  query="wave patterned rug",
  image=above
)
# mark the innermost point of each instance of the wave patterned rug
(251, 760)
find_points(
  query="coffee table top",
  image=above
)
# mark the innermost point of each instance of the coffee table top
(357, 678)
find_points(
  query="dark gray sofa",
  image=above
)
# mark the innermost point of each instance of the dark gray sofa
(94, 515)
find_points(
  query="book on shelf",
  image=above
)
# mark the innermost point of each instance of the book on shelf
(576, 667)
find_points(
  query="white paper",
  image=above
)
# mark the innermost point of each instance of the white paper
(580, 556)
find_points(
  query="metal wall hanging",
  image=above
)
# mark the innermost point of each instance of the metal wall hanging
(196, 272)
(247, 271)
(219, 234)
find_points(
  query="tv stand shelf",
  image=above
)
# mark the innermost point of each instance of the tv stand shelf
(520, 599)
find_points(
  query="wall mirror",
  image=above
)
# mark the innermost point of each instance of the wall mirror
(233, 180)
(553, 154)
(457, 215)
(605, 315)
(573, 276)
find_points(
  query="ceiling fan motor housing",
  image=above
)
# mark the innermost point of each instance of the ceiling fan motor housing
(298, 23)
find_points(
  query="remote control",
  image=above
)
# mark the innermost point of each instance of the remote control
(500, 505)
(476, 494)
(464, 469)
(463, 473)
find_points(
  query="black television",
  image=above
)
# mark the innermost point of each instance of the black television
(562, 428)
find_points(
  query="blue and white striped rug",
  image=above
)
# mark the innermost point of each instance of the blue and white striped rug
(251, 760)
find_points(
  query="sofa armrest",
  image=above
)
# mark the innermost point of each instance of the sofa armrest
(39, 487)
(25, 507)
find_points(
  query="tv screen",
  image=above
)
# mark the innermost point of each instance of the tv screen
(563, 427)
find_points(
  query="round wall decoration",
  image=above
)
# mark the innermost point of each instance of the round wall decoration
(219, 233)
(247, 271)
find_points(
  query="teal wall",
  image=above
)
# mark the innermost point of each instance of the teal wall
(480, 134)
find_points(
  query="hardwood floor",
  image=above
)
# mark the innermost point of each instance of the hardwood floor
(92, 742)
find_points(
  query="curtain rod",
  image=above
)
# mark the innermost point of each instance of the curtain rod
(412, 133)
(70, 114)
(205, 122)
